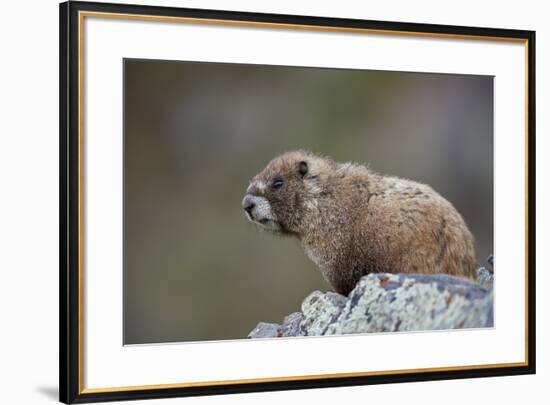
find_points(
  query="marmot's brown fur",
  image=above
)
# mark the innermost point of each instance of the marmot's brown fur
(352, 221)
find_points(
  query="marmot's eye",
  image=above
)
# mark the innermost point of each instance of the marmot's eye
(277, 183)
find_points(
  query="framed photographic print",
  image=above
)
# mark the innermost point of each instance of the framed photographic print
(254, 202)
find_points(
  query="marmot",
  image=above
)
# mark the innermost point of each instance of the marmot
(352, 221)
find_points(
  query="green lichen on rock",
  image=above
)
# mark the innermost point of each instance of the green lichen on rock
(383, 302)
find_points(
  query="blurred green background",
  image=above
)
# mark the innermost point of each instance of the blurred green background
(195, 133)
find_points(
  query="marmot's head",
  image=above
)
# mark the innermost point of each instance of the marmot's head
(279, 196)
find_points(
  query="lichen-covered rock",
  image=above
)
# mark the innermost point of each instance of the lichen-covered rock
(384, 302)
(389, 303)
(319, 311)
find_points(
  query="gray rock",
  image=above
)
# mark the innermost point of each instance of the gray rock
(485, 275)
(265, 330)
(383, 302)
(292, 324)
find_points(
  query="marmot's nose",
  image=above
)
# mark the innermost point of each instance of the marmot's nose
(248, 204)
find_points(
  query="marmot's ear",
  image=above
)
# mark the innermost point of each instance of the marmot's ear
(302, 168)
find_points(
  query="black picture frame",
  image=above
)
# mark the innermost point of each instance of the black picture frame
(70, 313)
